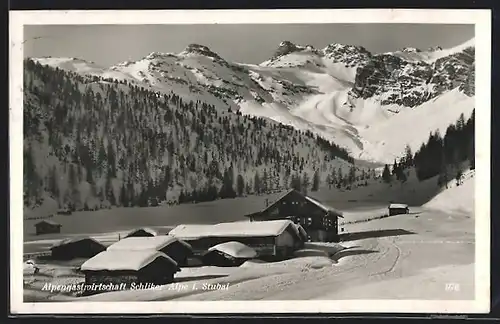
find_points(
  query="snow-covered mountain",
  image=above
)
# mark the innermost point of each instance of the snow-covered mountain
(362, 101)
(90, 142)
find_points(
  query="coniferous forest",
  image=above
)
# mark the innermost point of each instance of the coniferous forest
(91, 142)
(445, 157)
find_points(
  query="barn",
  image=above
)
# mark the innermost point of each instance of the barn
(73, 248)
(47, 227)
(275, 239)
(318, 220)
(177, 249)
(142, 232)
(229, 254)
(396, 209)
(119, 269)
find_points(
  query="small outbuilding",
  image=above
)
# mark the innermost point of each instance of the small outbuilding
(120, 269)
(47, 227)
(175, 248)
(73, 248)
(396, 209)
(142, 232)
(229, 254)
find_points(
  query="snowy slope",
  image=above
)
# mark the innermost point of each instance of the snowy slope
(431, 56)
(456, 198)
(343, 93)
(386, 140)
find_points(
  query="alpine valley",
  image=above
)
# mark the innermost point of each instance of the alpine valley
(194, 126)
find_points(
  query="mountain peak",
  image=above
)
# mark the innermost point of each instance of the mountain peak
(200, 50)
(334, 47)
(411, 50)
(154, 55)
(286, 47)
(435, 49)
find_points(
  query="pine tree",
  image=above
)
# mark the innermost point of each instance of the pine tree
(386, 174)
(352, 174)
(256, 183)
(123, 195)
(333, 177)
(182, 197)
(73, 187)
(458, 178)
(227, 190)
(305, 183)
(111, 160)
(316, 180)
(54, 183)
(240, 185)
(265, 181)
(110, 195)
(296, 182)
(340, 178)
(31, 178)
(408, 159)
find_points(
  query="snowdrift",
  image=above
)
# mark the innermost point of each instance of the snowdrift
(457, 198)
(235, 249)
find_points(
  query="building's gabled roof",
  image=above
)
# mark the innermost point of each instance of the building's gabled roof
(398, 206)
(325, 207)
(190, 231)
(314, 201)
(72, 240)
(123, 260)
(233, 229)
(235, 249)
(145, 229)
(50, 222)
(145, 243)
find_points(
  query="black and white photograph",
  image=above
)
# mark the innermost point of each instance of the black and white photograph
(328, 164)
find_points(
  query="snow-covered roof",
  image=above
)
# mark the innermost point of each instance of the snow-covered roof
(235, 249)
(143, 243)
(189, 231)
(123, 260)
(323, 206)
(234, 229)
(145, 229)
(398, 206)
(73, 240)
(48, 222)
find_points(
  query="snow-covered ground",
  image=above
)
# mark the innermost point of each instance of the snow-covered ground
(457, 198)
(411, 256)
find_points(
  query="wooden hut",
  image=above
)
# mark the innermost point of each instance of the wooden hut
(175, 248)
(396, 209)
(318, 220)
(229, 254)
(120, 269)
(142, 232)
(47, 227)
(72, 248)
(278, 238)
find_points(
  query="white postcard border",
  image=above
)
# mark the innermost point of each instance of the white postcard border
(482, 21)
